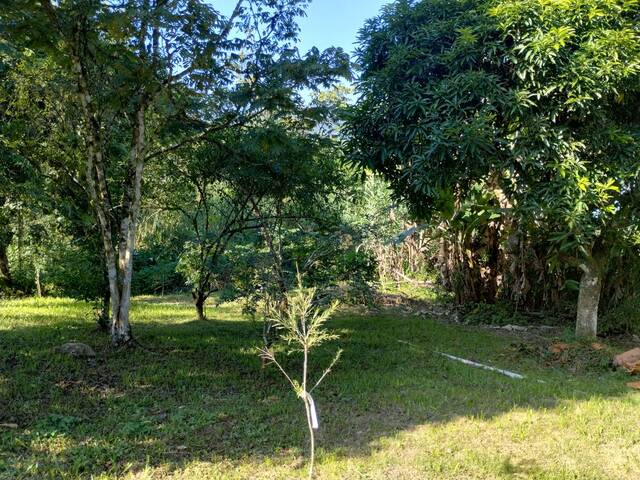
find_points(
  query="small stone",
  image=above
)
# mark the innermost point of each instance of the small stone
(12, 426)
(515, 328)
(77, 349)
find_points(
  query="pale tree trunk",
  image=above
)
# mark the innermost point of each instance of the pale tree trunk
(99, 192)
(6, 236)
(119, 268)
(38, 283)
(119, 264)
(444, 262)
(588, 301)
(120, 328)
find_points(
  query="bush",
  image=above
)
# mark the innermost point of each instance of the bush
(67, 268)
(153, 273)
(623, 318)
(494, 314)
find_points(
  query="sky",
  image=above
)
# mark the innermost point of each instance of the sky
(336, 22)
(328, 22)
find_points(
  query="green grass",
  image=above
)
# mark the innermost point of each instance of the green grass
(200, 406)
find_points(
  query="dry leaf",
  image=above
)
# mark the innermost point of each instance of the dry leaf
(559, 347)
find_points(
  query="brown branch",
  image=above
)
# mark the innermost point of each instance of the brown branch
(172, 79)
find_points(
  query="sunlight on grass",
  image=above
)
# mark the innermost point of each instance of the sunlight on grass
(198, 405)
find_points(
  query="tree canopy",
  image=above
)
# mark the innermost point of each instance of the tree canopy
(536, 98)
(194, 150)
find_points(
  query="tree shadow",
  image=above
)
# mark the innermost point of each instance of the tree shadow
(199, 392)
(521, 468)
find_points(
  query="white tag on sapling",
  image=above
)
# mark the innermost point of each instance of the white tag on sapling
(314, 415)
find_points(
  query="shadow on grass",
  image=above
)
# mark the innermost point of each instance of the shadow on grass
(201, 393)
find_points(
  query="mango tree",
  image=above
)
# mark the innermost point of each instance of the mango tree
(534, 101)
(575, 140)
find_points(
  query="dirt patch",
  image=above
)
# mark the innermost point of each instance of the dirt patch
(401, 304)
(542, 342)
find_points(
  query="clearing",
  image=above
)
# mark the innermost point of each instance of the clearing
(198, 405)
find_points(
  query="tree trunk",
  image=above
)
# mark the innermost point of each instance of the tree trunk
(5, 271)
(38, 283)
(100, 198)
(200, 300)
(119, 266)
(493, 263)
(121, 330)
(588, 300)
(118, 249)
(444, 263)
(275, 249)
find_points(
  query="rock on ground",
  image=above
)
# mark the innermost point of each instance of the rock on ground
(630, 360)
(77, 349)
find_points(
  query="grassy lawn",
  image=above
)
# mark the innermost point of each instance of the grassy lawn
(199, 406)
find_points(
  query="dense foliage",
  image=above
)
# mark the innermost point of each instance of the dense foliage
(152, 78)
(515, 127)
(152, 147)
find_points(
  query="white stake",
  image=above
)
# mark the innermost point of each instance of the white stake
(484, 367)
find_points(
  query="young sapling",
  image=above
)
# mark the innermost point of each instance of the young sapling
(302, 327)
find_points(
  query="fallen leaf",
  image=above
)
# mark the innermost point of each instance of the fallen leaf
(559, 347)
(12, 426)
(597, 346)
(635, 385)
